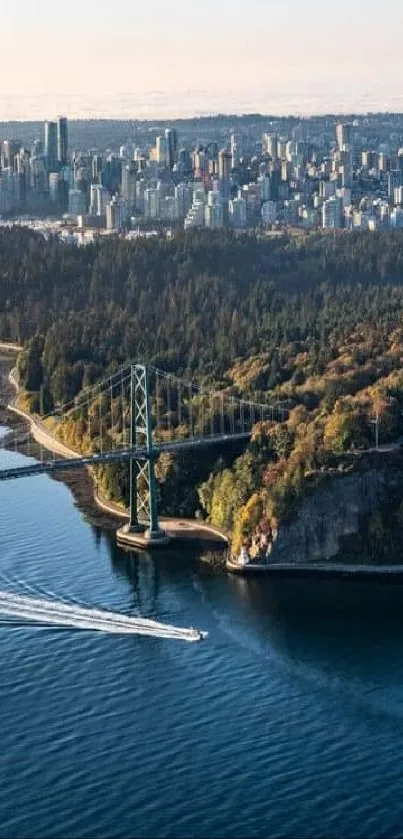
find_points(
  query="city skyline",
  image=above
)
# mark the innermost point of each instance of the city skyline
(236, 57)
(268, 175)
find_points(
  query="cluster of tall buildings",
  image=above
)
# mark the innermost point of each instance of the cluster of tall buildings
(31, 179)
(309, 173)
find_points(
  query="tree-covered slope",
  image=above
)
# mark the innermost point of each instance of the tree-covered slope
(316, 321)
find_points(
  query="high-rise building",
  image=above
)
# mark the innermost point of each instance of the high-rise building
(171, 144)
(152, 198)
(368, 159)
(237, 212)
(282, 148)
(97, 168)
(327, 189)
(161, 150)
(271, 145)
(168, 208)
(395, 179)
(344, 134)
(54, 188)
(195, 215)
(183, 198)
(213, 151)
(236, 149)
(99, 197)
(224, 171)
(396, 217)
(345, 196)
(77, 202)
(331, 213)
(141, 187)
(128, 183)
(9, 151)
(114, 214)
(265, 187)
(184, 162)
(112, 173)
(200, 162)
(37, 149)
(269, 212)
(51, 145)
(38, 175)
(214, 211)
(398, 195)
(383, 162)
(286, 170)
(62, 141)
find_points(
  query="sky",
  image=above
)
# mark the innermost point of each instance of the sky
(123, 58)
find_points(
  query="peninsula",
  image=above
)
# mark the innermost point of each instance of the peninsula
(312, 324)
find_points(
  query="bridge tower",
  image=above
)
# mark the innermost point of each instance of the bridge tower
(143, 528)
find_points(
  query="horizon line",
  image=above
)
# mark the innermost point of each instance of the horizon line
(210, 115)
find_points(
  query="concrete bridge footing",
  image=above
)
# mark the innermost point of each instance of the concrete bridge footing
(142, 538)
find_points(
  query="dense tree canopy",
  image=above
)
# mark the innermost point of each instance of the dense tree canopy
(316, 321)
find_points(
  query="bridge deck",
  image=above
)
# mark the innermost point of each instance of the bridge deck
(78, 462)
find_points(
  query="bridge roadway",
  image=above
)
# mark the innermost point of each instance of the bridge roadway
(46, 466)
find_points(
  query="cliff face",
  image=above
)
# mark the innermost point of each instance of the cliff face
(333, 512)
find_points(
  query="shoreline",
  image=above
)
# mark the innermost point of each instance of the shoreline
(177, 528)
(108, 513)
(321, 570)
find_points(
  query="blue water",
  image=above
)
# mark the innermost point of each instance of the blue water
(287, 721)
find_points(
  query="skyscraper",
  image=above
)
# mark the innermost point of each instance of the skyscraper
(332, 213)
(51, 144)
(9, 151)
(62, 141)
(96, 166)
(344, 134)
(161, 150)
(271, 145)
(99, 198)
(171, 141)
(128, 184)
(224, 170)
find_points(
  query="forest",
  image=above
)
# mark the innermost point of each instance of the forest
(315, 321)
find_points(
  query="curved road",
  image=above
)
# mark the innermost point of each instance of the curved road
(180, 528)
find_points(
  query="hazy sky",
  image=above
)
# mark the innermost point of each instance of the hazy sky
(113, 55)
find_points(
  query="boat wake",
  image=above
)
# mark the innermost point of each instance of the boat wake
(19, 610)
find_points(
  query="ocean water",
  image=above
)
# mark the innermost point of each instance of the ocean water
(286, 721)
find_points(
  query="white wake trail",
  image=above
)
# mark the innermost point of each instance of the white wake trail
(52, 613)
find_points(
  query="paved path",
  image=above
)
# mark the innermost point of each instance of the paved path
(37, 428)
(180, 528)
(10, 347)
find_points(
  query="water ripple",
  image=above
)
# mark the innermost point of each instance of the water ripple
(286, 722)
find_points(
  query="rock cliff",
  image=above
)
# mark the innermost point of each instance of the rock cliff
(333, 512)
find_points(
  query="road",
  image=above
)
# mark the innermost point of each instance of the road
(185, 528)
(38, 430)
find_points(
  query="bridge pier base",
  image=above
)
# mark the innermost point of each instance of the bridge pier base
(143, 539)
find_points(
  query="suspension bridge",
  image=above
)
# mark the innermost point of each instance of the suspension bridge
(136, 415)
